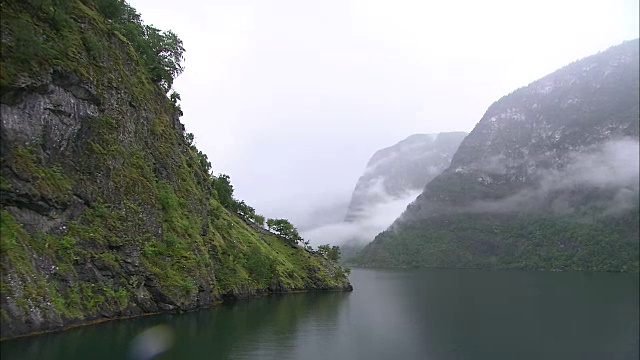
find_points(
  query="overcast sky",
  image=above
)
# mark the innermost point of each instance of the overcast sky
(291, 98)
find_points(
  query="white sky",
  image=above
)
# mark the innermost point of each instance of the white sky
(291, 98)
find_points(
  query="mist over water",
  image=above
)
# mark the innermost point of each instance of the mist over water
(370, 221)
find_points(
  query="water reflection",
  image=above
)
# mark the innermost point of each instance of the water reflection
(391, 314)
(263, 327)
(260, 328)
(476, 314)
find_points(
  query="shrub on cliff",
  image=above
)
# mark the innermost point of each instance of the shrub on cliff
(160, 51)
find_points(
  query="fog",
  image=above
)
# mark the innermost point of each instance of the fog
(328, 210)
(290, 98)
(613, 166)
(370, 222)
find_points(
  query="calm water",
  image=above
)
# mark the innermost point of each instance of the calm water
(391, 314)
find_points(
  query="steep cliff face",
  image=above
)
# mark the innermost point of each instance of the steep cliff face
(401, 169)
(548, 179)
(108, 210)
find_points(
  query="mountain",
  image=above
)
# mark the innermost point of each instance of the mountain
(107, 207)
(402, 169)
(393, 177)
(548, 179)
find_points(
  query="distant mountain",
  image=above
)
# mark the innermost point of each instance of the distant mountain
(402, 169)
(394, 176)
(548, 179)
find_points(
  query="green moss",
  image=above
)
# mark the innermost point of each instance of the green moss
(5, 289)
(111, 259)
(59, 304)
(9, 229)
(48, 181)
(23, 304)
(4, 316)
(5, 185)
(91, 296)
(14, 242)
(116, 295)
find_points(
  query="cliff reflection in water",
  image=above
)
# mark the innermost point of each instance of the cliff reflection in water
(262, 327)
(267, 327)
(441, 314)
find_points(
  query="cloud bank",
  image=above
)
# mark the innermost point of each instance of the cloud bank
(608, 172)
(371, 221)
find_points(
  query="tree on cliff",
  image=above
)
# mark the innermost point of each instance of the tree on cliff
(284, 228)
(224, 190)
(329, 252)
(161, 51)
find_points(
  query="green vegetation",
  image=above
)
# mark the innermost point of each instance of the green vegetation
(330, 252)
(49, 181)
(61, 39)
(224, 192)
(120, 214)
(285, 229)
(517, 242)
(515, 196)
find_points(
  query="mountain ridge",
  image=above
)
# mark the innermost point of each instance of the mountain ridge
(526, 168)
(398, 170)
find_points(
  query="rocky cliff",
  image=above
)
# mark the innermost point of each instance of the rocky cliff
(402, 169)
(108, 209)
(548, 179)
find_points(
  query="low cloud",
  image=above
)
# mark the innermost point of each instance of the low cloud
(371, 221)
(610, 168)
(329, 212)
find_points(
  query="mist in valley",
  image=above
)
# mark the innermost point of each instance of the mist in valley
(194, 201)
(291, 99)
(370, 221)
(609, 170)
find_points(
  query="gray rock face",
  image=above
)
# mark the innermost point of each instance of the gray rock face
(402, 169)
(51, 178)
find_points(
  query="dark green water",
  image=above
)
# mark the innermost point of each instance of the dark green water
(401, 314)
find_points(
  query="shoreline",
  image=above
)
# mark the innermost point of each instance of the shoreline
(228, 297)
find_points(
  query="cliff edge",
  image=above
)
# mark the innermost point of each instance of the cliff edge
(108, 209)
